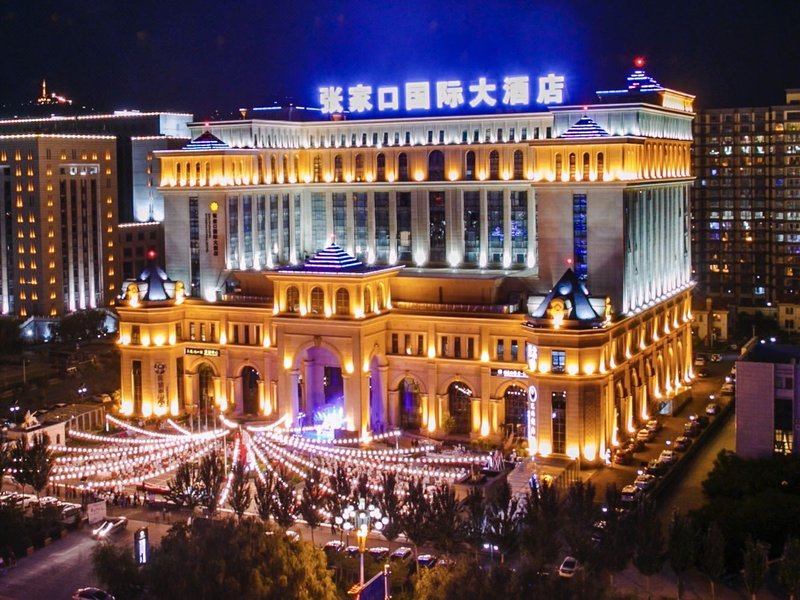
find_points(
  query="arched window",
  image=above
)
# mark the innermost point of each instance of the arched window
(469, 166)
(410, 405)
(436, 166)
(273, 168)
(317, 301)
(208, 173)
(585, 166)
(559, 167)
(178, 171)
(402, 167)
(317, 168)
(359, 167)
(342, 302)
(367, 301)
(600, 166)
(189, 171)
(519, 165)
(572, 166)
(459, 398)
(381, 299)
(285, 163)
(197, 173)
(292, 299)
(337, 168)
(261, 178)
(380, 164)
(516, 400)
(494, 164)
(296, 167)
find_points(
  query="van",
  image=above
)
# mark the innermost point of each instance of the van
(700, 361)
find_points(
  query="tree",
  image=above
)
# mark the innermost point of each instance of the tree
(115, 568)
(185, 489)
(390, 504)
(712, 557)
(473, 522)
(239, 496)
(212, 476)
(681, 547)
(222, 559)
(755, 565)
(415, 516)
(445, 522)
(285, 510)
(579, 516)
(615, 549)
(453, 583)
(337, 500)
(312, 501)
(265, 495)
(10, 342)
(789, 573)
(503, 518)
(648, 541)
(33, 463)
(541, 524)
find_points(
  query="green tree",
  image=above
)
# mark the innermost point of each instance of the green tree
(312, 501)
(681, 544)
(285, 509)
(755, 566)
(648, 541)
(503, 519)
(445, 522)
(615, 549)
(579, 515)
(10, 342)
(341, 488)
(212, 476)
(115, 568)
(185, 488)
(33, 463)
(265, 495)
(452, 583)
(222, 559)
(390, 504)
(474, 519)
(415, 516)
(239, 496)
(789, 573)
(712, 557)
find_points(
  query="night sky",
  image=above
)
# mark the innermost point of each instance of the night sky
(202, 55)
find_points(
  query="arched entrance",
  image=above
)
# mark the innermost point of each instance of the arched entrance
(410, 404)
(322, 389)
(459, 402)
(378, 419)
(516, 408)
(250, 379)
(205, 381)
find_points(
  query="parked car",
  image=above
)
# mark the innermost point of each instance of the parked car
(727, 389)
(378, 552)
(91, 593)
(656, 467)
(351, 551)
(635, 445)
(701, 420)
(682, 443)
(712, 408)
(630, 494)
(109, 526)
(623, 456)
(426, 560)
(691, 429)
(568, 567)
(716, 357)
(653, 425)
(333, 547)
(402, 553)
(700, 361)
(645, 435)
(667, 457)
(645, 481)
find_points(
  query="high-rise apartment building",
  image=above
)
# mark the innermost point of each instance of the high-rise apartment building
(58, 250)
(746, 204)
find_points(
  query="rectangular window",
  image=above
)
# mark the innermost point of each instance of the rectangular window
(470, 347)
(500, 354)
(579, 236)
(404, 237)
(192, 333)
(233, 231)
(178, 332)
(514, 350)
(202, 332)
(559, 424)
(179, 374)
(136, 337)
(235, 334)
(194, 246)
(394, 344)
(472, 227)
(407, 343)
(136, 383)
(445, 349)
(213, 332)
(420, 345)
(558, 361)
(457, 347)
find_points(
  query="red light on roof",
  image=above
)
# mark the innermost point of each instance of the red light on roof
(151, 254)
(569, 261)
(638, 61)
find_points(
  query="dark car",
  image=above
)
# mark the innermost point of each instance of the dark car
(333, 547)
(378, 552)
(426, 560)
(703, 373)
(691, 429)
(656, 467)
(701, 420)
(623, 456)
(635, 445)
(682, 443)
(91, 593)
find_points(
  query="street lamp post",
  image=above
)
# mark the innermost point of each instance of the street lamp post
(363, 518)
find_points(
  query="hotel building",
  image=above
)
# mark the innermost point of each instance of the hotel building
(58, 249)
(523, 273)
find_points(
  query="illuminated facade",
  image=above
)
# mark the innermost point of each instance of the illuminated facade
(58, 248)
(514, 273)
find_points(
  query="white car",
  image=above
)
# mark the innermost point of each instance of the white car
(667, 456)
(645, 435)
(712, 408)
(645, 481)
(402, 553)
(568, 567)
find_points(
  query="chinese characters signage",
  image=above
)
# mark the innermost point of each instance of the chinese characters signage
(442, 95)
(201, 351)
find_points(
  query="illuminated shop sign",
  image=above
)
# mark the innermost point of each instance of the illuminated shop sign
(201, 352)
(533, 396)
(509, 373)
(442, 95)
(141, 546)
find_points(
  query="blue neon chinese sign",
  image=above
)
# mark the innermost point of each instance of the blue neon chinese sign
(441, 95)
